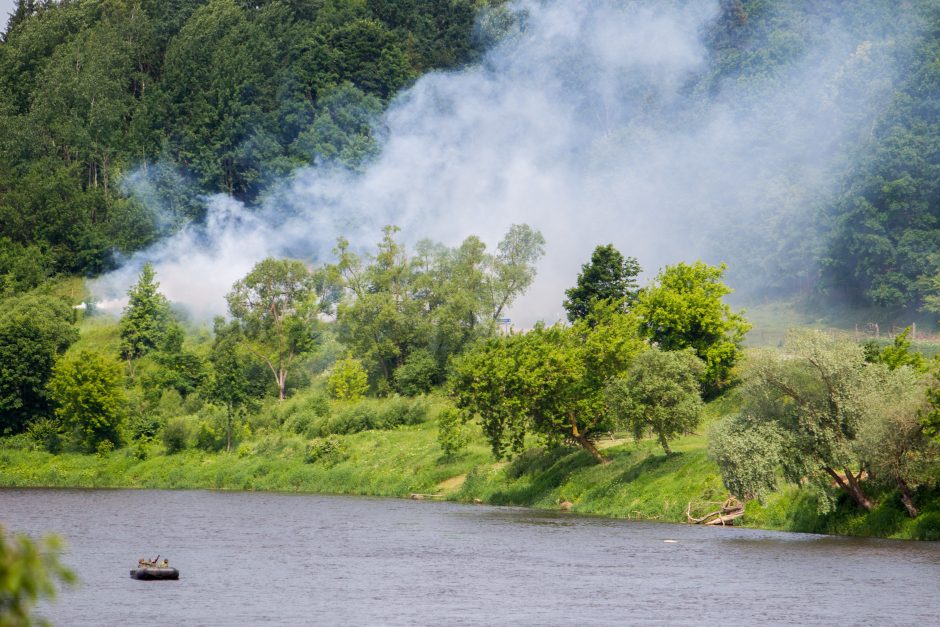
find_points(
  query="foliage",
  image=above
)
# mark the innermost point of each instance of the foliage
(683, 308)
(608, 277)
(203, 97)
(327, 451)
(276, 307)
(87, 388)
(229, 385)
(348, 380)
(34, 331)
(177, 434)
(452, 434)
(815, 410)
(549, 381)
(437, 301)
(896, 451)
(417, 374)
(29, 571)
(46, 433)
(897, 354)
(658, 393)
(369, 414)
(147, 319)
(749, 455)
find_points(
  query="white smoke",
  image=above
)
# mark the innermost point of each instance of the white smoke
(580, 123)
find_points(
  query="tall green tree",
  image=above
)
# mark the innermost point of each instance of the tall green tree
(88, 392)
(549, 381)
(147, 318)
(229, 384)
(683, 308)
(659, 393)
(276, 307)
(398, 306)
(608, 277)
(34, 332)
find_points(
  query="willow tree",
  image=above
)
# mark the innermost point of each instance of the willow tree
(816, 412)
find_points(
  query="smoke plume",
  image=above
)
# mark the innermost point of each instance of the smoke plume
(595, 122)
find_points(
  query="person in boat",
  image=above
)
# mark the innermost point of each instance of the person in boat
(165, 563)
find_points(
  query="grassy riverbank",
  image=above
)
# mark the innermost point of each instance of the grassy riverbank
(638, 483)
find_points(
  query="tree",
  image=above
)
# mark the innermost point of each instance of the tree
(549, 381)
(229, 384)
(683, 308)
(348, 381)
(147, 318)
(436, 301)
(28, 572)
(895, 355)
(513, 267)
(89, 397)
(810, 400)
(34, 331)
(608, 277)
(276, 307)
(894, 445)
(659, 393)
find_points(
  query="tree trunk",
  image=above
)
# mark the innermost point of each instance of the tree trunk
(228, 431)
(585, 443)
(906, 498)
(851, 487)
(281, 384)
(665, 444)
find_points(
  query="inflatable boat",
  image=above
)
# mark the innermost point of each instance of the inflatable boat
(150, 573)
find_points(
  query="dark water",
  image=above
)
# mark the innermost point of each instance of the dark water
(254, 558)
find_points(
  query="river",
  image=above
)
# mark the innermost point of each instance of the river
(286, 559)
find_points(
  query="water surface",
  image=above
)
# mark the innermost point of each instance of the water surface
(262, 558)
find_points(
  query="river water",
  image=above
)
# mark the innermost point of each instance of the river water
(262, 558)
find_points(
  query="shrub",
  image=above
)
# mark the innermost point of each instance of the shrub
(105, 448)
(348, 381)
(328, 451)
(417, 374)
(209, 437)
(176, 434)
(47, 434)
(376, 414)
(452, 432)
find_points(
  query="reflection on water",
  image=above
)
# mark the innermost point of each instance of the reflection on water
(256, 558)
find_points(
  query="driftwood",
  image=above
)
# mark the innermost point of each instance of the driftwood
(729, 511)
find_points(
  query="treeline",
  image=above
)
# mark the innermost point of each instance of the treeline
(182, 98)
(360, 344)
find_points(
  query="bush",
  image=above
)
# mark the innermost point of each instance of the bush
(105, 448)
(47, 434)
(328, 451)
(375, 414)
(209, 436)
(176, 434)
(452, 432)
(417, 374)
(348, 381)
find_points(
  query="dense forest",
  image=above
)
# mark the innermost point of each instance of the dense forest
(230, 96)
(391, 336)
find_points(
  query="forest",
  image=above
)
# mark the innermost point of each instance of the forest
(388, 368)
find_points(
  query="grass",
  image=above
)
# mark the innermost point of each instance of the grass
(640, 482)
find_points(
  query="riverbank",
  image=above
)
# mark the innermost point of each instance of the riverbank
(638, 483)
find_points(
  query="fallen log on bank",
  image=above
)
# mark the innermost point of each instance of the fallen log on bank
(730, 510)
